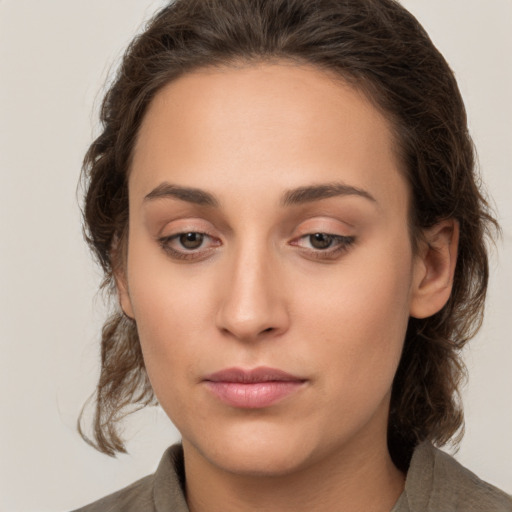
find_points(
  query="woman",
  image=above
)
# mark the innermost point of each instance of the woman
(284, 199)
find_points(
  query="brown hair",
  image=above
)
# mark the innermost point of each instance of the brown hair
(377, 46)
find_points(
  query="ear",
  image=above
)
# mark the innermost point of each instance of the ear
(434, 269)
(120, 278)
(123, 295)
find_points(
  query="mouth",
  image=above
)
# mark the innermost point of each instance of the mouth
(253, 389)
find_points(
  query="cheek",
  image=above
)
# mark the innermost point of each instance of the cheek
(161, 294)
(170, 315)
(361, 318)
(172, 337)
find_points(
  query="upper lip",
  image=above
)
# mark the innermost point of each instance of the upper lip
(260, 374)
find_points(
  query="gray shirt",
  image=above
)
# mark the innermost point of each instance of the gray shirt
(435, 483)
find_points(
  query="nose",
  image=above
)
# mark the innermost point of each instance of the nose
(253, 303)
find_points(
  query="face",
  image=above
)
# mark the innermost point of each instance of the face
(269, 265)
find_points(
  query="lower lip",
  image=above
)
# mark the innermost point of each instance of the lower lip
(254, 395)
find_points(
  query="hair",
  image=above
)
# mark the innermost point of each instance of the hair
(379, 48)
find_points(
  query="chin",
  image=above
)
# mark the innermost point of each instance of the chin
(257, 462)
(265, 451)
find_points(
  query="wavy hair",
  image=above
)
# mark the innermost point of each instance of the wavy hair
(376, 46)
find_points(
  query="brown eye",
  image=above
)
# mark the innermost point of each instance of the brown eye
(189, 245)
(191, 240)
(321, 240)
(323, 246)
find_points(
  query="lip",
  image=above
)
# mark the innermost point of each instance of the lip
(253, 389)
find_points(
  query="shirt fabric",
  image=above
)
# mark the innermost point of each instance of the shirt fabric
(435, 482)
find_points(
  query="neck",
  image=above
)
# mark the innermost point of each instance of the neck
(349, 481)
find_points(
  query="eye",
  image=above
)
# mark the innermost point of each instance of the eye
(321, 240)
(324, 245)
(191, 240)
(188, 245)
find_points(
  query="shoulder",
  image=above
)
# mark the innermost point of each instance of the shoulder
(467, 487)
(137, 497)
(159, 492)
(436, 481)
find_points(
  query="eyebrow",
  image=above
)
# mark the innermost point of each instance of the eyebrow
(297, 196)
(312, 193)
(188, 194)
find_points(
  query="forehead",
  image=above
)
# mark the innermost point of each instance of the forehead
(261, 127)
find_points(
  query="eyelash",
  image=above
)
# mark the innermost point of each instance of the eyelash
(183, 255)
(341, 245)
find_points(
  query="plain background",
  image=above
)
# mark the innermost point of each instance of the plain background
(54, 59)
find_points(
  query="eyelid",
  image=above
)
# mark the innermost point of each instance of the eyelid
(325, 224)
(190, 254)
(185, 225)
(172, 230)
(341, 232)
(343, 243)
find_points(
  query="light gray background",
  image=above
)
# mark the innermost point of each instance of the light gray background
(54, 57)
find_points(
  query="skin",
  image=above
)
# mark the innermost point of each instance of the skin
(257, 291)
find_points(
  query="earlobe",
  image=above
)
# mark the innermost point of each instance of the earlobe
(434, 269)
